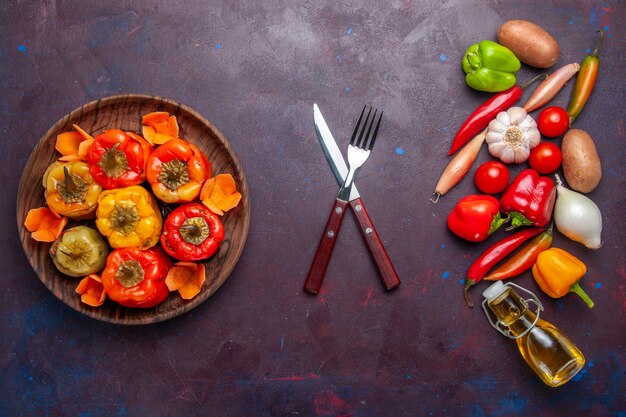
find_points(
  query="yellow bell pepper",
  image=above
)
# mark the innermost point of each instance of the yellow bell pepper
(70, 190)
(129, 217)
(557, 272)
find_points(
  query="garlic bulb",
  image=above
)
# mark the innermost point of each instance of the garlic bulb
(511, 136)
(577, 217)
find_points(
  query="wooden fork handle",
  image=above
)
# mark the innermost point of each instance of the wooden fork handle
(386, 271)
(324, 251)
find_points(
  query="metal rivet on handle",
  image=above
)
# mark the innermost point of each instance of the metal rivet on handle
(357, 208)
(331, 234)
(338, 210)
(368, 230)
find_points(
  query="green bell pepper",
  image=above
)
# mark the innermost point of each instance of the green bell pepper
(490, 67)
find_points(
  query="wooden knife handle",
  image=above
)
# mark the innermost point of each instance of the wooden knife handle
(386, 271)
(324, 251)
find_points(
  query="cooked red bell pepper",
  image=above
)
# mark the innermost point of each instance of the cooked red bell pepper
(176, 171)
(135, 277)
(118, 159)
(529, 199)
(192, 233)
(475, 217)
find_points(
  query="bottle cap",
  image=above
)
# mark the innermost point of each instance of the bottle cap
(494, 291)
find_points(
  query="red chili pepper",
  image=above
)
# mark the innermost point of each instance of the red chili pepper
(135, 277)
(484, 114)
(475, 217)
(523, 260)
(529, 199)
(494, 254)
(192, 233)
(585, 81)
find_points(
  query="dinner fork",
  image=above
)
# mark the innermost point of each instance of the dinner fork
(359, 149)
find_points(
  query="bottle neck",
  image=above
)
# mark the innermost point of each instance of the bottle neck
(513, 312)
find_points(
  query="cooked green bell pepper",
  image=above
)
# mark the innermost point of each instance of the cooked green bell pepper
(490, 67)
(79, 251)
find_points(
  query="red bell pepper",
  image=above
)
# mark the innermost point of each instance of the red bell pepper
(118, 159)
(192, 233)
(135, 277)
(529, 199)
(475, 217)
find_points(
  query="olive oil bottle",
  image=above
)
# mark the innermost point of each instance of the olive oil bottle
(544, 347)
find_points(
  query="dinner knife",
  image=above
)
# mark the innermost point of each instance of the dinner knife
(386, 271)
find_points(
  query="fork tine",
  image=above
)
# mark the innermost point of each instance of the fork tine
(362, 137)
(356, 127)
(371, 144)
(366, 138)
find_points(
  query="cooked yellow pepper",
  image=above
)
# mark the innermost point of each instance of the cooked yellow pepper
(129, 217)
(70, 190)
(557, 272)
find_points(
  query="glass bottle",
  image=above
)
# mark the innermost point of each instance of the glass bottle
(544, 347)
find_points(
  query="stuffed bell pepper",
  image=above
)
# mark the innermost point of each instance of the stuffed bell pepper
(192, 233)
(79, 251)
(70, 189)
(129, 217)
(118, 159)
(176, 171)
(136, 278)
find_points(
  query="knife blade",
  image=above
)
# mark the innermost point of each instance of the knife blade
(331, 150)
(387, 272)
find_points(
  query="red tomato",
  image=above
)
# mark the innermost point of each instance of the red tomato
(492, 177)
(553, 121)
(545, 158)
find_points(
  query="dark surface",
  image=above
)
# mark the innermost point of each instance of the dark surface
(260, 346)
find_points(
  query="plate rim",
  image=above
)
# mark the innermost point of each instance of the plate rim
(89, 106)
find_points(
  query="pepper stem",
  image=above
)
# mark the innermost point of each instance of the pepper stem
(65, 253)
(544, 76)
(517, 220)
(497, 222)
(194, 230)
(582, 294)
(114, 162)
(595, 51)
(130, 273)
(72, 189)
(191, 228)
(70, 184)
(468, 284)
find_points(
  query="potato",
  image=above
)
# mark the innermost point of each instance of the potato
(530, 43)
(581, 164)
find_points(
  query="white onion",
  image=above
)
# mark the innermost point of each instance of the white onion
(577, 217)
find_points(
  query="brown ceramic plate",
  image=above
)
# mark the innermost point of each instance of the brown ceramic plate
(125, 112)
